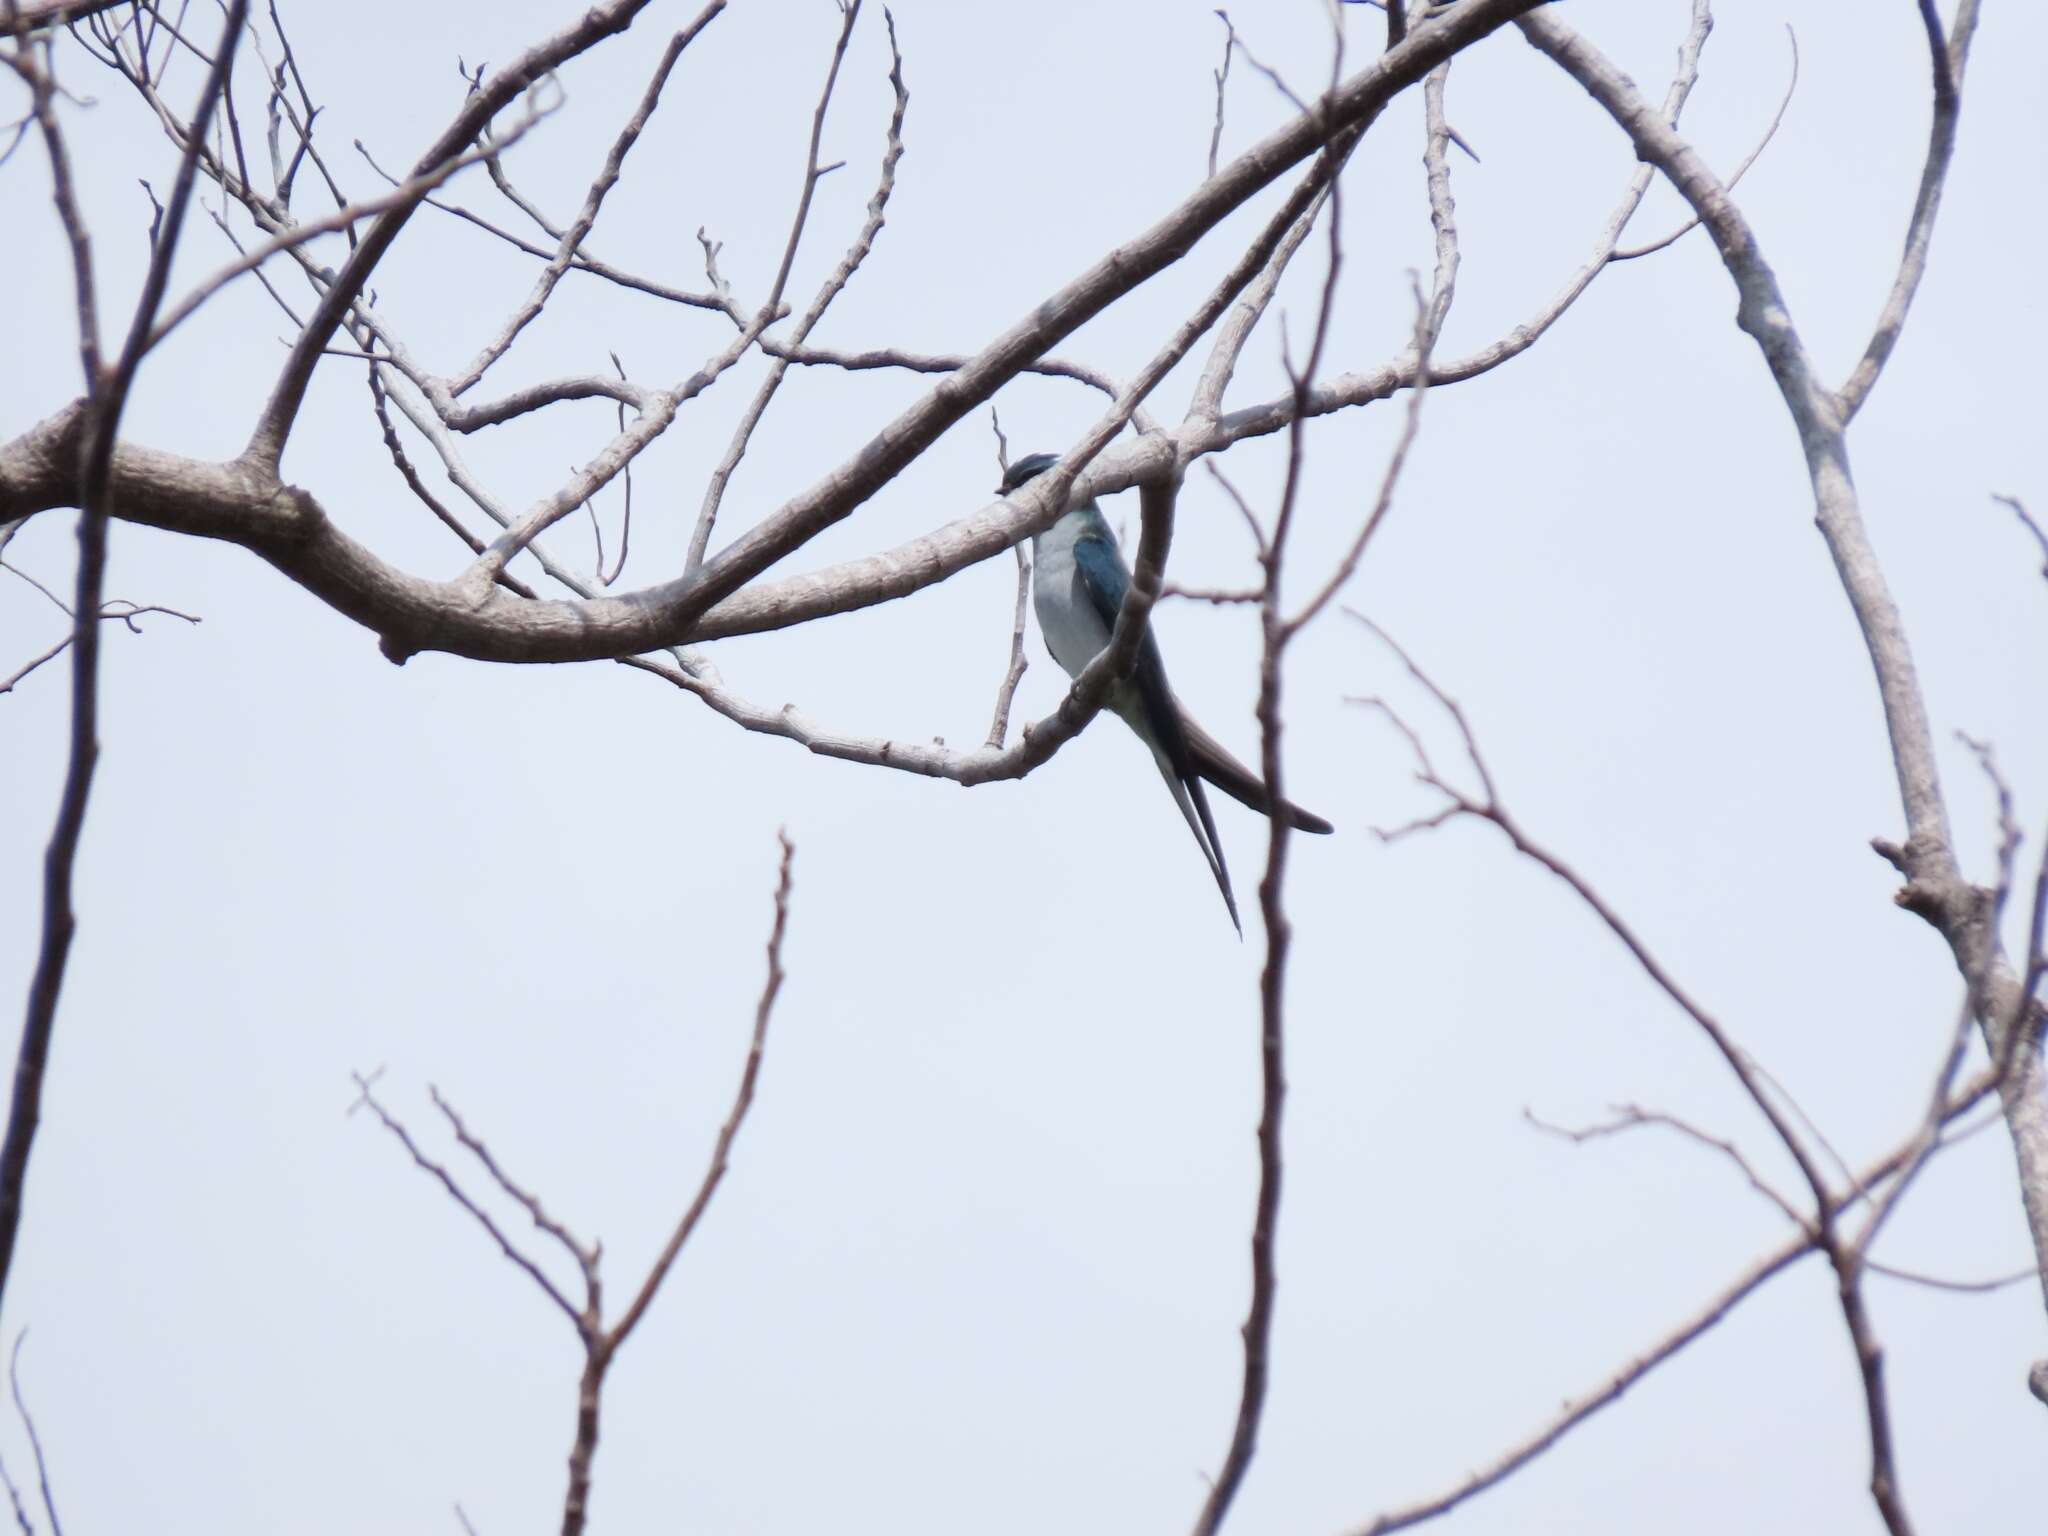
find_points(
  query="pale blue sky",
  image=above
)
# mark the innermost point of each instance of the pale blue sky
(981, 1258)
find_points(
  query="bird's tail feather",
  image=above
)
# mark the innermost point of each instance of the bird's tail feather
(1194, 805)
(1216, 765)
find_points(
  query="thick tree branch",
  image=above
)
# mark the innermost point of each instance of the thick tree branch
(244, 503)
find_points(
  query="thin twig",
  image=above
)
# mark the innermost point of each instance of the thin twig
(365, 1086)
(341, 219)
(585, 1256)
(714, 490)
(1628, 1117)
(1651, 247)
(128, 615)
(106, 396)
(1411, 422)
(35, 1441)
(604, 1348)
(1488, 807)
(743, 1100)
(593, 203)
(1948, 59)
(2019, 510)
(1222, 75)
(1943, 1283)
(1576, 1411)
(21, 1518)
(537, 64)
(1006, 691)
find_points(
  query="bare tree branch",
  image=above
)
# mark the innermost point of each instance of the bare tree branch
(742, 1101)
(1579, 1409)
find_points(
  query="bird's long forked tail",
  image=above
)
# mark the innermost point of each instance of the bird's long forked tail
(1194, 805)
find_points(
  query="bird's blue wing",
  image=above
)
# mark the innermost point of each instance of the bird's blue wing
(1106, 581)
(1103, 575)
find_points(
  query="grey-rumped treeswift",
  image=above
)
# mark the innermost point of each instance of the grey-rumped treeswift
(1078, 581)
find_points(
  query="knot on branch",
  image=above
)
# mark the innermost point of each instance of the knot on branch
(1947, 904)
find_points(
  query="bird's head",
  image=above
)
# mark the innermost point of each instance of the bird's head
(1025, 470)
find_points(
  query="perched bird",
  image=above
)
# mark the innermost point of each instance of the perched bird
(1078, 581)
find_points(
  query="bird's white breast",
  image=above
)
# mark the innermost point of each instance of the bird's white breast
(1074, 631)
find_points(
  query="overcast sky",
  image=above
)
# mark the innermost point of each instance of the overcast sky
(982, 1256)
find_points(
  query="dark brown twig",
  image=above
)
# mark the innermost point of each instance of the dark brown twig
(367, 1098)
(1275, 633)
(35, 1441)
(106, 396)
(2018, 509)
(604, 1349)
(21, 1519)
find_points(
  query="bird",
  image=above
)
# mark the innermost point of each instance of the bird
(1078, 581)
